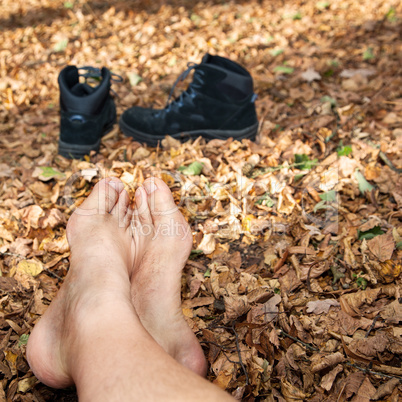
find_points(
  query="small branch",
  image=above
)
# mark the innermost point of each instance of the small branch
(239, 353)
(368, 371)
(372, 325)
(308, 346)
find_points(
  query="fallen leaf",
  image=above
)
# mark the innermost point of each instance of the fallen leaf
(208, 244)
(321, 306)
(349, 73)
(46, 173)
(310, 75)
(382, 246)
(322, 361)
(30, 267)
(385, 389)
(328, 379)
(235, 306)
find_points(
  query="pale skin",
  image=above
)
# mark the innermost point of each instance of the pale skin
(115, 329)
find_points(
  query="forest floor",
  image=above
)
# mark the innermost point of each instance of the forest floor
(294, 284)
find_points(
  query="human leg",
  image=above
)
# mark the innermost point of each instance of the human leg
(91, 335)
(164, 237)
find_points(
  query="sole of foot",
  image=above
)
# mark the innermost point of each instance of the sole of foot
(102, 257)
(164, 236)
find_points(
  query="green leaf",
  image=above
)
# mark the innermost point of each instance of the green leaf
(322, 5)
(368, 54)
(320, 205)
(195, 253)
(195, 17)
(297, 16)
(68, 4)
(364, 185)
(344, 150)
(192, 170)
(60, 46)
(361, 283)
(303, 162)
(328, 196)
(327, 98)
(284, 69)
(46, 173)
(399, 245)
(369, 234)
(207, 273)
(134, 78)
(299, 176)
(391, 15)
(266, 200)
(276, 52)
(23, 340)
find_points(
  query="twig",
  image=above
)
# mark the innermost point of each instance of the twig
(372, 325)
(239, 353)
(308, 346)
(13, 255)
(389, 163)
(369, 371)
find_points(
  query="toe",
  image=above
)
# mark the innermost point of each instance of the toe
(120, 209)
(102, 198)
(143, 214)
(159, 196)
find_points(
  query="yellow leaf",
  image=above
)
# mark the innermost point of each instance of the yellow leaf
(188, 312)
(26, 384)
(246, 223)
(30, 267)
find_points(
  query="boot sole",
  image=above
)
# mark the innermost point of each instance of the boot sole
(78, 151)
(152, 140)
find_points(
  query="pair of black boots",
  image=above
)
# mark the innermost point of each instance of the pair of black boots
(218, 103)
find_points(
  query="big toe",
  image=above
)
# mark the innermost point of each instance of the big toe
(102, 199)
(160, 198)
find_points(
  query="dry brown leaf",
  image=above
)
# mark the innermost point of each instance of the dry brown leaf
(321, 306)
(369, 348)
(382, 246)
(52, 219)
(392, 313)
(235, 306)
(31, 215)
(385, 389)
(292, 393)
(351, 303)
(322, 361)
(59, 245)
(328, 379)
(389, 270)
(365, 392)
(208, 244)
(21, 246)
(353, 383)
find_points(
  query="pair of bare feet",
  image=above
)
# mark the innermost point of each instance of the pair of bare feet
(121, 259)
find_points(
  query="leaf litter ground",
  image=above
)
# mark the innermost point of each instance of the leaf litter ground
(294, 284)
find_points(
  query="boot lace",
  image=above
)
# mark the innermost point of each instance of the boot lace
(190, 91)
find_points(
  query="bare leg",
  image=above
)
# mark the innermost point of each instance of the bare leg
(91, 335)
(164, 237)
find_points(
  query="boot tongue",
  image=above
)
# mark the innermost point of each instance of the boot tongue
(207, 58)
(82, 89)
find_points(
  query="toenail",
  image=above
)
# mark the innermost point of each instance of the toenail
(137, 194)
(114, 184)
(150, 187)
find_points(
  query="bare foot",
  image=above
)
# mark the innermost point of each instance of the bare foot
(102, 258)
(164, 238)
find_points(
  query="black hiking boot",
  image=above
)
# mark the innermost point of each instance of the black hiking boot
(218, 103)
(87, 113)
